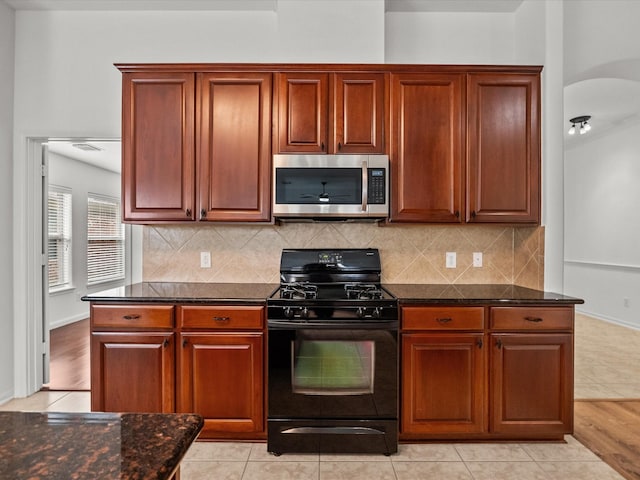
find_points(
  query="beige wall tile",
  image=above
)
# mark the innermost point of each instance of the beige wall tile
(410, 253)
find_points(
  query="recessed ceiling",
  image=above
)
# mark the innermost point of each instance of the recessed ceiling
(108, 156)
(611, 102)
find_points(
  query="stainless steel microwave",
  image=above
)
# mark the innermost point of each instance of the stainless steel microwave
(331, 186)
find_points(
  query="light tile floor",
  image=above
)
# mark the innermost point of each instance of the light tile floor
(607, 359)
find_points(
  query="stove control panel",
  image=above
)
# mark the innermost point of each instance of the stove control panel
(329, 258)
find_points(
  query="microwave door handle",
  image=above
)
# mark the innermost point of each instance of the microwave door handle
(365, 178)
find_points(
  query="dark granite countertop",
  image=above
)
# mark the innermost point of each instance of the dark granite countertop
(257, 293)
(94, 446)
(490, 294)
(179, 292)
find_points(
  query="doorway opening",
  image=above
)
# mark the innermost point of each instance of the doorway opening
(92, 251)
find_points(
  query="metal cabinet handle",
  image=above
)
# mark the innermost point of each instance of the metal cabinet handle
(499, 343)
(443, 320)
(339, 146)
(221, 319)
(479, 343)
(473, 214)
(322, 146)
(188, 212)
(457, 213)
(203, 213)
(165, 344)
(133, 316)
(533, 319)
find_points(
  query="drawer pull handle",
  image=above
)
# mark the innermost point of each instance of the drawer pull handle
(165, 344)
(533, 319)
(132, 316)
(443, 320)
(479, 343)
(499, 343)
(221, 319)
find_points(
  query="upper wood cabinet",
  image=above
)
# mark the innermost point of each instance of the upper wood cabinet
(158, 162)
(465, 147)
(503, 181)
(427, 147)
(207, 139)
(331, 113)
(234, 146)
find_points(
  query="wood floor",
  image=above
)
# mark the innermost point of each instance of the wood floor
(69, 366)
(611, 430)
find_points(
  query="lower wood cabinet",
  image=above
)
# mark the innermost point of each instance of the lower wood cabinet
(443, 385)
(509, 378)
(531, 383)
(182, 358)
(132, 372)
(221, 378)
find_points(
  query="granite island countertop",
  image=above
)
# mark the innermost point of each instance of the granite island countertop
(469, 294)
(89, 446)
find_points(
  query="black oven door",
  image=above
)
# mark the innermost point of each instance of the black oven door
(337, 374)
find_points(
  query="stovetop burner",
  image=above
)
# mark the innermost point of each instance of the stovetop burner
(298, 291)
(363, 291)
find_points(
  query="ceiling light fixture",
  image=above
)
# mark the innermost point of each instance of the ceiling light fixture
(582, 121)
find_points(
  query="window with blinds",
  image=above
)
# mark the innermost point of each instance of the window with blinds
(105, 240)
(59, 238)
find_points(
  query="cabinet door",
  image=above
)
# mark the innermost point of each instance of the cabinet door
(427, 147)
(531, 384)
(158, 158)
(303, 112)
(132, 372)
(443, 383)
(221, 378)
(503, 148)
(234, 149)
(359, 113)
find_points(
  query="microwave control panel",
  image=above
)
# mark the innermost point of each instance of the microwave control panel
(376, 188)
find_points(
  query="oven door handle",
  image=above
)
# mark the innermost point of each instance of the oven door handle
(316, 325)
(334, 430)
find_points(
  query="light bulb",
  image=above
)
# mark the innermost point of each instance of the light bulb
(587, 127)
(582, 129)
(572, 130)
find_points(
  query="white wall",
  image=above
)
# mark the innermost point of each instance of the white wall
(82, 179)
(66, 85)
(6, 204)
(602, 224)
(602, 169)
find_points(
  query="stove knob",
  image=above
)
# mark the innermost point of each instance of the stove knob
(288, 312)
(361, 312)
(304, 312)
(376, 312)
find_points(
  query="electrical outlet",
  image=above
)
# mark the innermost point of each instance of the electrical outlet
(450, 259)
(477, 259)
(205, 259)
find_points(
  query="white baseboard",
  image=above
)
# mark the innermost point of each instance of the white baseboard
(605, 318)
(68, 320)
(6, 396)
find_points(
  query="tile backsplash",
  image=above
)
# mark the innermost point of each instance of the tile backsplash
(410, 253)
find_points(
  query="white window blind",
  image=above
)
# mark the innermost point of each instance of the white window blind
(105, 240)
(59, 237)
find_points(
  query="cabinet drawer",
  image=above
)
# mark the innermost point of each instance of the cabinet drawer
(442, 318)
(536, 318)
(131, 317)
(222, 317)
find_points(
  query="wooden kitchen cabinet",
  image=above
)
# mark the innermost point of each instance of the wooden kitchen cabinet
(427, 147)
(234, 146)
(221, 369)
(132, 358)
(443, 387)
(508, 378)
(466, 147)
(324, 112)
(443, 371)
(158, 150)
(503, 178)
(532, 370)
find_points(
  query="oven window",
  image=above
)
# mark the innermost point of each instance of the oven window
(332, 367)
(318, 185)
